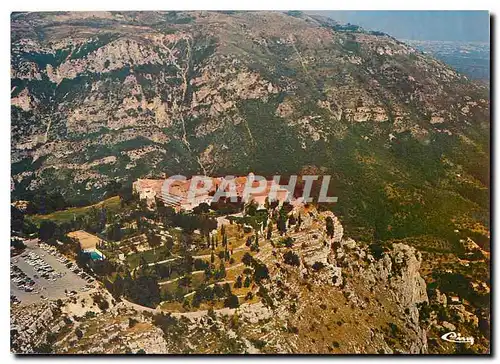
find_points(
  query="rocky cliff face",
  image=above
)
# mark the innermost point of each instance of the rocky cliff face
(102, 97)
(336, 297)
(340, 298)
(188, 92)
(115, 96)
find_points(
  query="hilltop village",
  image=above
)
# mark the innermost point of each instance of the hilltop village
(177, 193)
(144, 269)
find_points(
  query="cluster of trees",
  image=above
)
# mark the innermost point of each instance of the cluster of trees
(192, 222)
(240, 282)
(213, 272)
(224, 255)
(210, 294)
(43, 202)
(291, 258)
(18, 224)
(286, 241)
(281, 223)
(142, 289)
(253, 242)
(17, 243)
(282, 220)
(226, 207)
(114, 232)
(260, 270)
(189, 222)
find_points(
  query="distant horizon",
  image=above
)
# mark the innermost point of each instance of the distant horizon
(445, 41)
(463, 26)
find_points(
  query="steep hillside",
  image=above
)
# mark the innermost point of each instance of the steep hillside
(320, 294)
(106, 97)
(98, 97)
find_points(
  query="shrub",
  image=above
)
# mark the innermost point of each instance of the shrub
(318, 266)
(231, 301)
(291, 258)
(260, 272)
(79, 334)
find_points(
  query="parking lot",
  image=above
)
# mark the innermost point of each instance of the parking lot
(42, 273)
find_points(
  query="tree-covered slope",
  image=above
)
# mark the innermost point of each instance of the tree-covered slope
(101, 97)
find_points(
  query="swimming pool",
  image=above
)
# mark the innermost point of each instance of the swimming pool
(96, 255)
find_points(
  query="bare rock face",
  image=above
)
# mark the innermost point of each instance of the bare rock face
(398, 271)
(439, 298)
(121, 82)
(26, 323)
(332, 292)
(352, 280)
(349, 243)
(129, 95)
(406, 278)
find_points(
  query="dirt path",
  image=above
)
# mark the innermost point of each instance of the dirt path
(210, 285)
(265, 252)
(157, 263)
(176, 279)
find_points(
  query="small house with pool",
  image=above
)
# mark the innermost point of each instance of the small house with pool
(88, 245)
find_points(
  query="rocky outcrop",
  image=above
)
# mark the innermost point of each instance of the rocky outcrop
(144, 80)
(341, 266)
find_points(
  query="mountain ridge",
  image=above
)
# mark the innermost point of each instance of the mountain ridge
(102, 99)
(218, 93)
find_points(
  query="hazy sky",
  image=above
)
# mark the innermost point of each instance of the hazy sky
(420, 25)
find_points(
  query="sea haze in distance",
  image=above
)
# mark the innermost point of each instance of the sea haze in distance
(461, 39)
